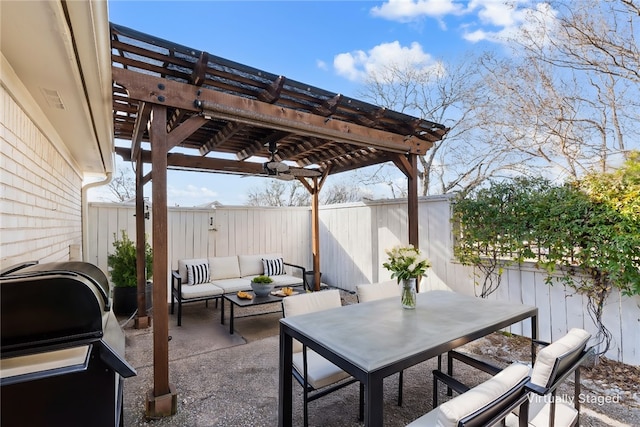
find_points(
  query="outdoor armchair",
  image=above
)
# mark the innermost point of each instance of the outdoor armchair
(317, 376)
(554, 364)
(483, 405)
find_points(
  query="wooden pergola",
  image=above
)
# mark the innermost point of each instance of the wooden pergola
(200, 112)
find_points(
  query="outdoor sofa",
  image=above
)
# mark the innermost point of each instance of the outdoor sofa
(205, 279)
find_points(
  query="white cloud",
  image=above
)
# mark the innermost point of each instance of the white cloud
(476, 36)
(321, 64)
(409, 10)
(357, 65)
(510, 20)
(491, 20)
(495, 12)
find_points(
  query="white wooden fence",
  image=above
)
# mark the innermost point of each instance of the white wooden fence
(353, 239)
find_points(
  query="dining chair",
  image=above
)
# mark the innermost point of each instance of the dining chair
(483, 405)
(376, 291)
(555, 362)
(317, 376)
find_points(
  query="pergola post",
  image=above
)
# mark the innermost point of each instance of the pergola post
(412, 200)
(142, 320)
(162, 401)
(315, 233)
(409, 166)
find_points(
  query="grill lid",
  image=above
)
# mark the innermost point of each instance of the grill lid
(52, 304)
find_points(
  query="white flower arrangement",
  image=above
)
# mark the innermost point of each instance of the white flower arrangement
(406, 262)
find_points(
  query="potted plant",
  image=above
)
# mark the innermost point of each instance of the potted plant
(123, 271)
(262, 285)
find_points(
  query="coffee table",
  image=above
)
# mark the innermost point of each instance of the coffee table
(240, 302)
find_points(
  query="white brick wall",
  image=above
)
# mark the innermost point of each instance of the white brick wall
(40, 192)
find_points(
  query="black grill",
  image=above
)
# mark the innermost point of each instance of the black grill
(62, 349)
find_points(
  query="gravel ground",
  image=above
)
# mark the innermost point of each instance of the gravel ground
(232, 380)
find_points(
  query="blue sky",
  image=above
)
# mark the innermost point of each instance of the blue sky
(328, 44)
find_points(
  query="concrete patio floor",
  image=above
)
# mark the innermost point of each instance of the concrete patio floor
(232, 380)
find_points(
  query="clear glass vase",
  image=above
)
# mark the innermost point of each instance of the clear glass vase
(408, 294)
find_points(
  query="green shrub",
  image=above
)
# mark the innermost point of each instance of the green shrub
(122, 262)
(585, 234)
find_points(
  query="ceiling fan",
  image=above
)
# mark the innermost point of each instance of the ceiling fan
(282, 170)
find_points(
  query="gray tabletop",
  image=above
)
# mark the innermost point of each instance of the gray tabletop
(376, 334)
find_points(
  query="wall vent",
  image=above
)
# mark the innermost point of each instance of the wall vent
(53, 98)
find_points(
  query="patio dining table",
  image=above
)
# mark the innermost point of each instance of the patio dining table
(373, 340)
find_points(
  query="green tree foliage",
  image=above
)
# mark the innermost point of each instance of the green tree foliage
(585, 234)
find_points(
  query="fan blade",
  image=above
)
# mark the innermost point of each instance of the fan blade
(277, 166)
(304, 172)
(283, 177)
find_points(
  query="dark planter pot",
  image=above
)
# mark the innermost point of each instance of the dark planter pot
(311, 278)
(149, 295)
(125, 300)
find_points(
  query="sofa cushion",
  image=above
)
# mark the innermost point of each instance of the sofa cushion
(182, 266)
(567, 348)
(273, 266)
(201, 290)
(224, 267)
(233, 285)
(251, 265)
(281, 280)
(198, 273)
(286, 280)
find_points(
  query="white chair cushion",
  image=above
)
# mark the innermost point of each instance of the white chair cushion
(374, 291)
(565, 416)
(451, 412)
(320, 372)
(309, 303)
(233, 285)
(574, 342)
(202, 290)
(225, 267)
(182, 266)
(429, 419)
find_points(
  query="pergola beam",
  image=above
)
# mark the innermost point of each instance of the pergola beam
(179, 161)
(223, 106)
